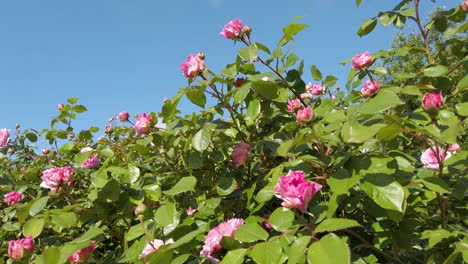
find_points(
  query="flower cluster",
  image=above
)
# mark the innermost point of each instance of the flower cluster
(16, 247)
(56, 177)
(83, 254)
(295, 190)
(213, 239)
(12, 198)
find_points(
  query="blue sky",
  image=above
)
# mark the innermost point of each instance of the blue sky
(125, 54)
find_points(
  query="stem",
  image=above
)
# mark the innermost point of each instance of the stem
(370, 75)
(417, 19)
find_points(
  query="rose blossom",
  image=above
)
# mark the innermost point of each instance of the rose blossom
(192, 66)
(4, 138)
(315, 89)
(152, 246)
(16, 247)
(295, 190)
(83, 254)
(59, 106)
(464, 5)
(306, 95)
(304, 115)
(454, 148)
(429, 157)
(142, 124)
(92, 162)
(45, 151)
(232, 30)
(361, 61)
(432, 101)
(370, 88)
(293, 105)
(191, 211)
(55, 177)
(240, 154)
(213, 238)
(12, 197)
(239, 82)
(123, 116)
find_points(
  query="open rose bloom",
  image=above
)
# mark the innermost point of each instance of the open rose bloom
(360, 61)
(154, 245)
(12, 198)
(83, 254)
(16, 247)
(54, 178)
(295, 190)
(431, 161)
(315, 89)
(213, 238)
(92, 162)
(232, 30)
(293, 105)
(142, 124)
(304, 115)
(4, 138)
(370, 88)
(192, 66)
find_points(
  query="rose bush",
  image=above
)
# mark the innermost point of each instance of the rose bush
(274, 171)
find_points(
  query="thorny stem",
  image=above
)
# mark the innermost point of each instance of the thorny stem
(417, 19)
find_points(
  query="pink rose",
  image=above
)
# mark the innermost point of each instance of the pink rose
(92, 162)
(370, 88)
(295, 190)
(315, 89)
(16, 247)
(304, 115)
(152, 246)
(454, 148)
(4, 138)
(83, 254)
(293, 105)
(240, 154)
(123, 116)
(191, 211)
(432, 101)
(213, 238)
(306, 95)
(56, 177)
(12, 198)
(45, 151)
(430, 160)
(142, 124)
(361, 61)
(192, 66)
(464, 5)
(232, 30)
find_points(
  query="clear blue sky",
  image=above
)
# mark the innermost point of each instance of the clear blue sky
(125, 54)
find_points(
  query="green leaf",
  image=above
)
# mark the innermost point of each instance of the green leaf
(250, 233)
(267, 89)
(38, 205)
(379, 70)
(330, 80)
(31, 137)
(356, 133)
(436, 184)
(253, 110)
(33, 227)
(358, 2)
(201, 140)
(234, 256)
(281, 219)
(291, 30)
(183, 185)
(462, 109)
(384, 191)
(387, 18)
(241, 93)
(167, 216)
(186, 238)
(333, 224)
(435, 236)
(196, 96)
(50, 255)
(342, 180)
(463, 83)
(435, 70)
(226, 185)
(411, 90)
(65, 220)
(267, 252)
(330, 249)
(250, 53)
(384, 100)
(316, 74)
(134, 172)
(79, 108)
(72, 100)
(296, 251)
(367, 27)
(153, 191)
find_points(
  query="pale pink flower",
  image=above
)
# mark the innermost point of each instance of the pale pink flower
(142, 124)
(60, 106)
(83, 254)
(56, 177)
(153, 245)
(370, 88)
(123, 116)
(315, 89)
(240, 154)
(430, 160)
(464, 5)
(361, 61)
(306, 95)
(232, 30)
(16, 247)
(45, 151)
(12, 198)
(293, 105)
(213, 239)
(304, 115)
(192, 66)
(191, 211)
(295, 190)
(454, 148)
(432, 101)
(4, 138)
